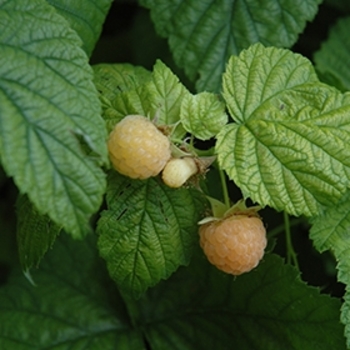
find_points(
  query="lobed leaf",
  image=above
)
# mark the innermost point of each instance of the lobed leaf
(74, 305)
(332, 59)
(289, 147)
(35, 233)
(86, 17)
(147, 232)
(268, 308)
(203, 115)
(203, 34)
(49, 113)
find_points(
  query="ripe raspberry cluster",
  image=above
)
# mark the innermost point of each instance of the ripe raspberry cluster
(234, 244)
(138, 149)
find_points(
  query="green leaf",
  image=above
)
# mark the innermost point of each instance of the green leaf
(333, 57)
(74, 305)
(286, 149)
(132, 91)
(86, 17)
(112, 80)
(203, 115)
(269, 308)
(330, 231)
(49, 112)
(147, 232)
(36, 233)
(204, 34)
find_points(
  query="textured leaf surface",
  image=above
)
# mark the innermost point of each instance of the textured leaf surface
(203, 115)
(331, 231)
(269, 308)
(131, 90)
(36, 233)
(204, 34)
(332, 60)
(70, 308)
(286, 149)
(147, 232)
(112, 80)
(48, 103)
(86, 17)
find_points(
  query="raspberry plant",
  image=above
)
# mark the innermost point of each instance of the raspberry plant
(94, 259)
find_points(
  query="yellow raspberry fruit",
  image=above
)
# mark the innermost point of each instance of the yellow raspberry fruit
(137, 148)
(234, 244)
(178, 170)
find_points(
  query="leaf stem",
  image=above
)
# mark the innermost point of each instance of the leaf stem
(281, 228)
(224, 189)
(291, 255)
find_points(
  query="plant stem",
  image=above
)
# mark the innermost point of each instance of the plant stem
(280, 228)
(224, 189)
(291, 255)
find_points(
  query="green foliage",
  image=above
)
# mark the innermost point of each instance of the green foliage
(85, 17)
(35, 233)
(69, 308)
(140, 281)
(286, 149)
(203, 34)
(198, 307)
(333, 57)
(147, 231)
(331, 231)
(203, 115)
(47, 104)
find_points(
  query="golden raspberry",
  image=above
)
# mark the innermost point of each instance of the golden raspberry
(137, 148)
(235, 244)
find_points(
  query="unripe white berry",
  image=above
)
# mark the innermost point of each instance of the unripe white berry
(178, 170)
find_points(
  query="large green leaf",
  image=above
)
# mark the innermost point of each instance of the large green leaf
(331, 231)
(49, 113)
(148, 231)
(332, 60)
(204, 34)
(86, 17)
(73, 306)
(269, 308)
(290, 145)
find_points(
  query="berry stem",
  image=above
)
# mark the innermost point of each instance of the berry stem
(291, 255)
(224, 188)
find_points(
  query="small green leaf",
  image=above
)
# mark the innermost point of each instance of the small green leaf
(286, 149)
(166, 93)
(204, 34)
(86, 17)
(330, 231)
(49, 113)
(269, 308)
(203, 115)
(36, 233)
(333, 57)
(74, 306)
(147, 232)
